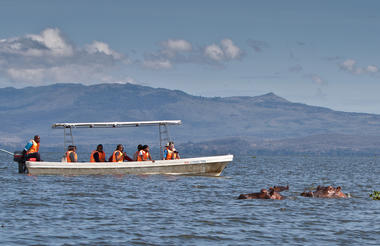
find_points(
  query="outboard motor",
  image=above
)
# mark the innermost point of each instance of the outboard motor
(19, 156)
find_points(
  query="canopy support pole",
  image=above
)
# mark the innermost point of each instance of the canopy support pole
(66, 135)
(164, 137)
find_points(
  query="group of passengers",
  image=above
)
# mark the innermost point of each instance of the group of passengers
(142, 154)
(31, 153)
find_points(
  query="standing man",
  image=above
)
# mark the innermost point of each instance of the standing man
(31, 149)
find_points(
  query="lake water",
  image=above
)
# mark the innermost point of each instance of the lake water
(172, 210)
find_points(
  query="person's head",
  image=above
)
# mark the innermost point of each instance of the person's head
(171, 145)
(99, 147)
(71, 148)
(120, 147)
(37, 138)
(139, 147)
(146, 148)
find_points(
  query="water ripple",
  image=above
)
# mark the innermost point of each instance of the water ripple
(175, 210)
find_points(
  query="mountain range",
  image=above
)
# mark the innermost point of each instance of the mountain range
(266, 123)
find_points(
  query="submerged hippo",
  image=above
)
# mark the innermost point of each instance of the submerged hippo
(263, 194)
(325, 192)
(279, 188)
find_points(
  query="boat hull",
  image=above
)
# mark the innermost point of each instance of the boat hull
(208, 166)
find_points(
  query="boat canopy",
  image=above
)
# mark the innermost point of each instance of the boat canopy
(162, 129)
(115, 124)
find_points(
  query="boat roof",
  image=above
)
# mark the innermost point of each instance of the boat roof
(115, 124)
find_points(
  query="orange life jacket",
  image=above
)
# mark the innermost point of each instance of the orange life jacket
(35, 147)
(68, 156)
(121, 156)
(136, 155)
(141, 155)
(102, 156)
(146, 156)
(170, 155)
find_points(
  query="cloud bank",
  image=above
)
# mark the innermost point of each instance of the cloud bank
(350, 66)
(36, 59)
(179, 51)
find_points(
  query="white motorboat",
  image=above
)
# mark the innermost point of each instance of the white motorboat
(209, 166)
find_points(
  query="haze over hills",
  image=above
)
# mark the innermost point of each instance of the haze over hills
(270, 121)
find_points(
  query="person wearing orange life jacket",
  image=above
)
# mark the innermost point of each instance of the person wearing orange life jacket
(31, 149)
(170, 153)
(144, 154)
(98, 155)
(118, 154)
(136, 154)
(71, 155)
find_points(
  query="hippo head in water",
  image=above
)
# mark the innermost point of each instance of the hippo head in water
(326, 192)
(279, 188)
(263, 194)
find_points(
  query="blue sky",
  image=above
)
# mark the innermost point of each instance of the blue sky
(323, 53)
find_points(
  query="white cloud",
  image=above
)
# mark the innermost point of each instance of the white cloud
(316, 79)
(52, 39)
(226, 51)
(100, 47)
(349, 65)
(157, 64)
(180, 51)
(372, 69)
(27, 75)
(177, 45)
(231, 51)
(49, 57)
(214, 52)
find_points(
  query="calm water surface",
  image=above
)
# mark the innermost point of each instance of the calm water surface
(171, 210)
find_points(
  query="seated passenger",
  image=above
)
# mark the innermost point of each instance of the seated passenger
(176, 155)
(147, 153)
(135, 155)
(118, 154)
(71, 155)
(144, 154)
(98, 155)
(170, 153)
(175, 152)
